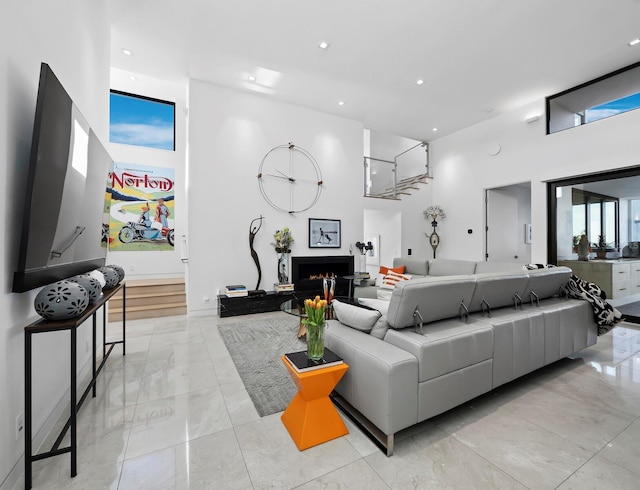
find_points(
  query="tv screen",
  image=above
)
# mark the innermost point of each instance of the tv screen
(62, 231)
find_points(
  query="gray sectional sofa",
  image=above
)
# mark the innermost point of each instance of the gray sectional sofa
(452, 337)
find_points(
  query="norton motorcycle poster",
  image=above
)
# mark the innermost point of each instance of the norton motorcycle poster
(141, 208)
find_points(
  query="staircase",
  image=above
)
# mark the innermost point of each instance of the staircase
(404, 187)
(150, 298)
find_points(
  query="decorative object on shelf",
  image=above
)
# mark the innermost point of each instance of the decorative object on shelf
(90, 283)
(601, 247)
(329, 289)
(283, 240)
(324, 233)
(99, 276)
(364, 250)
(119, 270)
(253, 231)
(62, 300)
(583, 248)
(290, 179)
(315, 311)
(110, 277)
(434, 213)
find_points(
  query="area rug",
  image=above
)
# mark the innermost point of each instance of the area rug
(630, 312)
(255, 347)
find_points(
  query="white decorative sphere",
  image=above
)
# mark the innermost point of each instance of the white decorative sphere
(119, 270)
(110, 276)
(62, 300)
(90, 283)
(99, 276)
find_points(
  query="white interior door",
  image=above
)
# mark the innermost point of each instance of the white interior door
(503, 226)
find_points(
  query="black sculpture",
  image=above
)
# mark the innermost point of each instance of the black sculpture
(253, 230)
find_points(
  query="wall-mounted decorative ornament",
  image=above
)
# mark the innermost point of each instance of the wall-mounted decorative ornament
(119, 270)
(110, 276)
(290, 179)
(90, 283)
(62, 300)
(434, 213)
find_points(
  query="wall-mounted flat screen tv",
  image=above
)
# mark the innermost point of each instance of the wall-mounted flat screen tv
(62, 231)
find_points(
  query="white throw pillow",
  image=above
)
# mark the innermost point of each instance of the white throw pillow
(381, 326)
(385, 294)
(377, 304)
(379, 330)
(355, 316)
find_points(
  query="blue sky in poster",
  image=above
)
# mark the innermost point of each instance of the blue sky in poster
(141, 122)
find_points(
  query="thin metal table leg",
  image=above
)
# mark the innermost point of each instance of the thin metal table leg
(124, 318)
(93, 355)
(28, 450)
(74, 406)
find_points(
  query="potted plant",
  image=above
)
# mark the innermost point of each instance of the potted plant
(601, 247)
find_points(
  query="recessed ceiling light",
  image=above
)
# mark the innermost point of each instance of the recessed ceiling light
(434, 129)
(323, 45)
(251, 78)
(634, 42)
(131, 77)
(420, 81)
(341, 102)
(126, 51)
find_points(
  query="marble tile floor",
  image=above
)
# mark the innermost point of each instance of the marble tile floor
(174, 414)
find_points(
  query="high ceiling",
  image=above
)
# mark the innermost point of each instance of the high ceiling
(478, 58)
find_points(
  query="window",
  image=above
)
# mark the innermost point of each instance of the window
(595, 216)
(612, 94)
(141, 121)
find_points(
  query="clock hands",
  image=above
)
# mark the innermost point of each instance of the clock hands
(291, 179)
(283, 176)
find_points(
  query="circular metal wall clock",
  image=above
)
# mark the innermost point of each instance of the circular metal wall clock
(290, 178)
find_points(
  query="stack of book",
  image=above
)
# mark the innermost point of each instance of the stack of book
(282, 287)
(301, 363)
(236, 290)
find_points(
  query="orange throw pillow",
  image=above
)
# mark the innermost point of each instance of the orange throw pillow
(399, 270)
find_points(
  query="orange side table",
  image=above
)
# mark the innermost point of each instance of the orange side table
(311, 418)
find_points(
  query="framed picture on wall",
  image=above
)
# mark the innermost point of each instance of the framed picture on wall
(324, 233)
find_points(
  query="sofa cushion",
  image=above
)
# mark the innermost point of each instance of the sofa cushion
(354, 316)
(435, 297)
(385, 294)
(546, 283)
(445, 346)
(498, 289)
(446, 267)
(413, 265)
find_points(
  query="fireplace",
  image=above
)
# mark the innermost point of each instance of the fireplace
(307, 273)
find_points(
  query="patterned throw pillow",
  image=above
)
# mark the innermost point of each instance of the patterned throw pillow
(391, 279)
(385, 270)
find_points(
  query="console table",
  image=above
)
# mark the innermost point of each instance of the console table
(246, 305)
(71, 325)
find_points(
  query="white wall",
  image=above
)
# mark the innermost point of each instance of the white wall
(387, 225)
(149, 264)
(72, 36)
(230, 132)
(463, 168)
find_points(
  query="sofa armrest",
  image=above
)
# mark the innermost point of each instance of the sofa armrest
(382, 380)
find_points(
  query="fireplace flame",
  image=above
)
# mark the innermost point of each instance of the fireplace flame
(326, 275)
